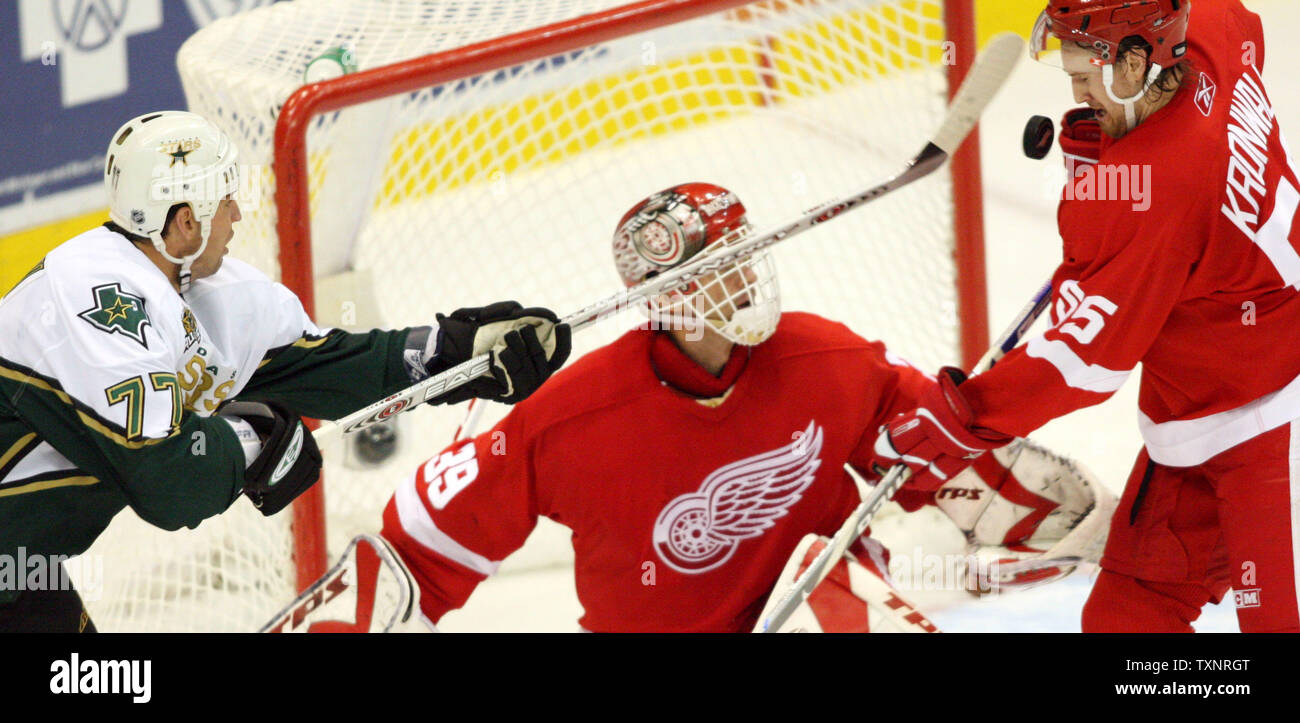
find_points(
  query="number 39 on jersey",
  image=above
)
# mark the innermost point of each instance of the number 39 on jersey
(449, 473)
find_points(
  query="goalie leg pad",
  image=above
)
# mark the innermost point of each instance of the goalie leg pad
(855, 597)
(369, 590)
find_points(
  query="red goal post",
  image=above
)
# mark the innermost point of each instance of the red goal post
(292, 171)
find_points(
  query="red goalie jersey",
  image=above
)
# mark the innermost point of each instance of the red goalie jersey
(683, 510)
(1180, 252)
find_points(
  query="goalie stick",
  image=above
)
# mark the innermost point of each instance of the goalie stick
(858, 522)
(986, 77)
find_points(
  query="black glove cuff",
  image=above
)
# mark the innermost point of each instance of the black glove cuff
(289, 463)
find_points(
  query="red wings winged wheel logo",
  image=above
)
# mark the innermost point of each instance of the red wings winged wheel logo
(698, 531)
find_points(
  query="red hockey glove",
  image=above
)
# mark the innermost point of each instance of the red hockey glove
(1080, 139)
(935, 440)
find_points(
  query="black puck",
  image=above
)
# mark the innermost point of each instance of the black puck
(1039, 134)
(375, 444)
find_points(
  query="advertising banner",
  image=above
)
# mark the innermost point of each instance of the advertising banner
(71, 72)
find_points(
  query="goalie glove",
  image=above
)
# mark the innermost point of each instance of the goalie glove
(288, 461)
(935, 440)
(527, 346)
(1029, 517)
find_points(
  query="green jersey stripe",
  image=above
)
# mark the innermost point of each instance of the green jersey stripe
(29, 378)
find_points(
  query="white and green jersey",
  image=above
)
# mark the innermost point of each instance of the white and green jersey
(109, 379)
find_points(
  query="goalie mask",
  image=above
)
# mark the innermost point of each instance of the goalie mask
(158, 160)
(741, 303)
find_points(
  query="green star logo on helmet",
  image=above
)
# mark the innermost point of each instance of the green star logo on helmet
(178, 150)
(116, 311)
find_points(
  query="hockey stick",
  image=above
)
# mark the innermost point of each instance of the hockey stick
(860, 520)
(985, 78)
(473, 413)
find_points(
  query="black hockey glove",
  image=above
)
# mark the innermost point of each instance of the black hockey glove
(527, 345)
(289, 463)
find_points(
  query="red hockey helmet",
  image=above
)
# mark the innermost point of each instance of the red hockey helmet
(673, 225)
(1102, 25)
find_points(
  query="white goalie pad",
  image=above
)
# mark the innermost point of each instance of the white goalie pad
(854, 598)
(1029, 516)
(369, 590)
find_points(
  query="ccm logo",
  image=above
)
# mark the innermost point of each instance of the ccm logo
(953, 493)
(1248, 598)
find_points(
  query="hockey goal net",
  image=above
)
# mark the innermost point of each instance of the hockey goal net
(470, 151)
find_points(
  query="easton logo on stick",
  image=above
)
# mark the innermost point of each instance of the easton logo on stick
(418, 394)
(116, 311)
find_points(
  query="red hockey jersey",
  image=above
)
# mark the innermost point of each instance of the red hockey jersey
(1180, 252)
(683, 513)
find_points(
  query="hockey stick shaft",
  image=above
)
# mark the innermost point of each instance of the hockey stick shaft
(858, 522)
(982, 83)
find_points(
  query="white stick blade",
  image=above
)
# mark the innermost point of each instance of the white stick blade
(327, 434)
(986, 77)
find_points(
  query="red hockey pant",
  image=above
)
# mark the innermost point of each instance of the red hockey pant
(1183, 536)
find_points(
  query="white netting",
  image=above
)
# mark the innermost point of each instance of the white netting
(508, 186)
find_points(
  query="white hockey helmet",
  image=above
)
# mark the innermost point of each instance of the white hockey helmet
(158, 160)
(742, 304)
